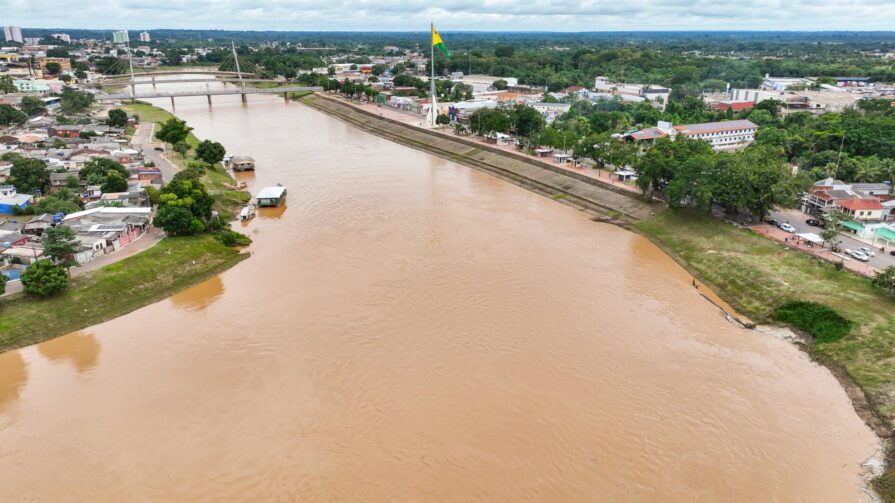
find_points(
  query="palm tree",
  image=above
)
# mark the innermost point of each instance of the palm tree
(868, 169)
(887, 166)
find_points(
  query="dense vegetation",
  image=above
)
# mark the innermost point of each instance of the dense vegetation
(823, 323)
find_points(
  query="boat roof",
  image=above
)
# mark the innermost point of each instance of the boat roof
(271, 192)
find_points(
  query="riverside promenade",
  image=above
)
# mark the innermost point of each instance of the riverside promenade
(599, 197)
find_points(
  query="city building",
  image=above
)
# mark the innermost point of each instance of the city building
(62, 36)
(13, 34)
(657, 95)
(120, 37)
(725, 135)
(144, 36)
(783, 83)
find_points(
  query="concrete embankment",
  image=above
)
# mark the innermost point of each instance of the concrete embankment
(593, 196)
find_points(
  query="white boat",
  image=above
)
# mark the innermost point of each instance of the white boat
(248, 212)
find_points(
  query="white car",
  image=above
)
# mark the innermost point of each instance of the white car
(866, 251)
(859, 255)
(785, 227)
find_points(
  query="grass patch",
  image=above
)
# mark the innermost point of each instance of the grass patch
(152, 275)
(560, 196)
(824, 324)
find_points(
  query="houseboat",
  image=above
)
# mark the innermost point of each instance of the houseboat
(242, 163)
(271, 196)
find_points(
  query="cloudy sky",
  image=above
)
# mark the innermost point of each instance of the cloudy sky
(491, 15)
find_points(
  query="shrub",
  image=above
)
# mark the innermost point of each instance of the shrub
(44, 278)
(823, 323)
(232, 238)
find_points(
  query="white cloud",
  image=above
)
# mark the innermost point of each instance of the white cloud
(491, 15)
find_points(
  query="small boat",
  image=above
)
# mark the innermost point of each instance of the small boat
(242, 163)
(271, 196)
(247, 213)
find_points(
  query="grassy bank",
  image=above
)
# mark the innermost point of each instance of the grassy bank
(222, 186)
(757, 275)
(170, 266)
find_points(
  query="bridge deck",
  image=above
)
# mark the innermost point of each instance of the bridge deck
(207, 92)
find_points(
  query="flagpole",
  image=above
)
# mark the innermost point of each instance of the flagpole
(432, 78)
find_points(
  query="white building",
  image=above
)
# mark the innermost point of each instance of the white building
(144, 36)
(725, 135)
(120, 37)
(13, 34)
(783, 83)
(656, 94)
(62, 36)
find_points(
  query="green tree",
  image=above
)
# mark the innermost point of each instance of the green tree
(63, 201)
(114, 182)
(117, 118)
(832, 221)
(44, 278)
(173, 131)
(73, 101)
(504, 51)
(9, 116)
(499, 84)
(184, 205)
(97, 170)
(6, 85)
(3, 280)
(65, 78)
(177, 221)
(211, 152)
(885, 280)
(869, 169)
(181, 148)
(527, 120)
(60, 244)
(29, 175)
(53, 68)
(32, 105)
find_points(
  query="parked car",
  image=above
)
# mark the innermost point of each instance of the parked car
(858, 255)
(813, 222)
(866, 251)
(159, 149)
(890, 253)
(785, 227)
(773, 221)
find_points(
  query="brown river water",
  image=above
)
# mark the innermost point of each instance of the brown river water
(409, 329)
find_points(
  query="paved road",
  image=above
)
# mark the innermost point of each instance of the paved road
(143, 140)
(797, 219)
(147, 240)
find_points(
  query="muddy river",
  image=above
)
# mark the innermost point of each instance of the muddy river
(410, 329)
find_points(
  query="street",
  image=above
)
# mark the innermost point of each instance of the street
(143, 140)
(797, 219)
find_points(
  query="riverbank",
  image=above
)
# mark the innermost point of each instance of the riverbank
(228, 198)
(752, 274)
(170, 266)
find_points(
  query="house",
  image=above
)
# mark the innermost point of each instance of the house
(657, 95)
(147, 175)
(869, 208)
(107, 228)
(872, 189)
(13, 200)
(26, 254)
(38, 224)
(725, 135)
(60, 180)
(733, 105)
(65, 131)
(10, 239)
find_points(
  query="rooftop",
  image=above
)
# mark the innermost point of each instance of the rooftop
(271, 192)
(714, 127)
(869, 203)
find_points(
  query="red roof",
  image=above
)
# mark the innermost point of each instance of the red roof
(573, 89)
(736, 106)
(867, 203)
(648, 134)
